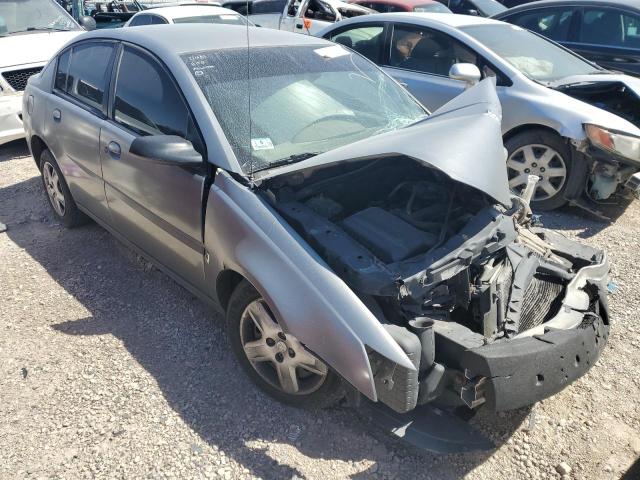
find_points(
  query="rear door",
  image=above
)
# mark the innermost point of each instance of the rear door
(76, 112)
(157, 207)
(609, 37)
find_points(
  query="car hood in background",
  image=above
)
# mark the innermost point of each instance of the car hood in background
(602, 116)
(462, 138)
(27, 48)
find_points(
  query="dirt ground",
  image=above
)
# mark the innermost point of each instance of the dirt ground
(109, 369)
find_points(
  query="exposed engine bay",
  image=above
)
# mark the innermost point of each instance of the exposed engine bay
(443, 267)
(614, 97)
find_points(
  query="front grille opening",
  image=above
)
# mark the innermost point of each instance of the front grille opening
(542, 301)
(17, 79)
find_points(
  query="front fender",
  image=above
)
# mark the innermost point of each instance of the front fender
(243, 233)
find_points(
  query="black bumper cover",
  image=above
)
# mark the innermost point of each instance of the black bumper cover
(526, 370)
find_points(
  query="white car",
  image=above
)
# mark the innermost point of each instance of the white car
(574, 125)
(186, 14)
(31, 32)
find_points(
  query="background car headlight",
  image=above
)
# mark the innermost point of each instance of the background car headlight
(624, 145)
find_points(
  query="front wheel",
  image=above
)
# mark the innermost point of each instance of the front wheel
(277, 361)
(541, 153)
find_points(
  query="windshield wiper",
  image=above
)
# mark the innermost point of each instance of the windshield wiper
(39, 29)
(298, 157)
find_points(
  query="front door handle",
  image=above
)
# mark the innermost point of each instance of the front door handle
(113, 149)
(299, 25)
(57, 115)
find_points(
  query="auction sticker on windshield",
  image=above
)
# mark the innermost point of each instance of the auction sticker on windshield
(261, 144)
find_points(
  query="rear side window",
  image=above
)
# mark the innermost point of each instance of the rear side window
(610, 27)
(140, 20)
(148, 102)
(62, 71)
(156, 20)
(83, 72)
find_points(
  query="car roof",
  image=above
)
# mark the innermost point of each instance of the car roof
(179, 11)
(633, 4)
(450, 19)
(177, 39)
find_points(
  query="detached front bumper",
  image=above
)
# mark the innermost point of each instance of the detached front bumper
(544, 360)
(11, 127)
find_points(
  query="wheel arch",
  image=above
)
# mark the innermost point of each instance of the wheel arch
(530, 126)
(226, 282)
(37, 146)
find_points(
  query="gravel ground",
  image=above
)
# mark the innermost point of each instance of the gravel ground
(109, 369)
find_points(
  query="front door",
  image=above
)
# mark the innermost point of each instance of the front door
(420, 59)
(157, 207)
(290, 15)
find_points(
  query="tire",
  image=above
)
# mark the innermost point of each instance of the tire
(60, 200)
(540, 152)
(314, 391)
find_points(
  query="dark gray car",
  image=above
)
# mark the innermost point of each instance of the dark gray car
(355, 242)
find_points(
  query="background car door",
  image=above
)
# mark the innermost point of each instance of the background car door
(76, 111)
(157, 207)
(610, 37)
(420, 59)
(290, 15)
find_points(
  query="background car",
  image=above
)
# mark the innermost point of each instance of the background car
(187, 14)
(386, 6)
(482, 8)
(604, 31)
(549, 95)
(31, 31)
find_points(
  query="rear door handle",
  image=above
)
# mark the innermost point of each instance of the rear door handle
(113, 149)
(57, 115)
(299, 25)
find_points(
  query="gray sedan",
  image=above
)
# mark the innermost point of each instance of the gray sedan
(355, 243)
(566, 120)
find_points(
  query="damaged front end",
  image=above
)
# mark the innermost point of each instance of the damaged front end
(614, 152)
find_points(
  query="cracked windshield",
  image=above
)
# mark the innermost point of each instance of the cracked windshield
(303, 101)
(20, 16)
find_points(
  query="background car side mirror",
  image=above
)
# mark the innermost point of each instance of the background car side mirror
(473, 12)
(87, 22)
(465, 72)
(167, 150)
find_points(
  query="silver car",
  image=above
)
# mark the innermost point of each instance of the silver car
(356, 243)
(566, 120)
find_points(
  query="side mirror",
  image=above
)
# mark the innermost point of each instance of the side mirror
(465, 72)
(473, 12)
(87, 22)
(166, 150)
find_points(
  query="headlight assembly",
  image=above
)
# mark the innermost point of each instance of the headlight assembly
(626, 146)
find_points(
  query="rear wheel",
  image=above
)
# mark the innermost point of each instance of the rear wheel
(62, 203)
(541, 153)
(277, 361)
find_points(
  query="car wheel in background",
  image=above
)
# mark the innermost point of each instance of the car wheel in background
(64, 207)
(276, 361)
(541, 153)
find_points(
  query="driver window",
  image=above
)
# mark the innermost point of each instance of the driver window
(294, 5)
(319, 10)
(427, 51)
(148, 102)
(367, 41)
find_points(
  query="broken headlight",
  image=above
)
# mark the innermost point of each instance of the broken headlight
(626, 146)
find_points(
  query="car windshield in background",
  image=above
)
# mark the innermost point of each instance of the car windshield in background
(20, 16)
(489, 7)
(225, 18)
(304, 100)
(534, 56)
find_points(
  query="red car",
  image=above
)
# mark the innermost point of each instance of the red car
(385, 6)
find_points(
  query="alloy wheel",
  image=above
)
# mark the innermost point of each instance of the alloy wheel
(540, 160)
(54, 189)
(279, 358)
